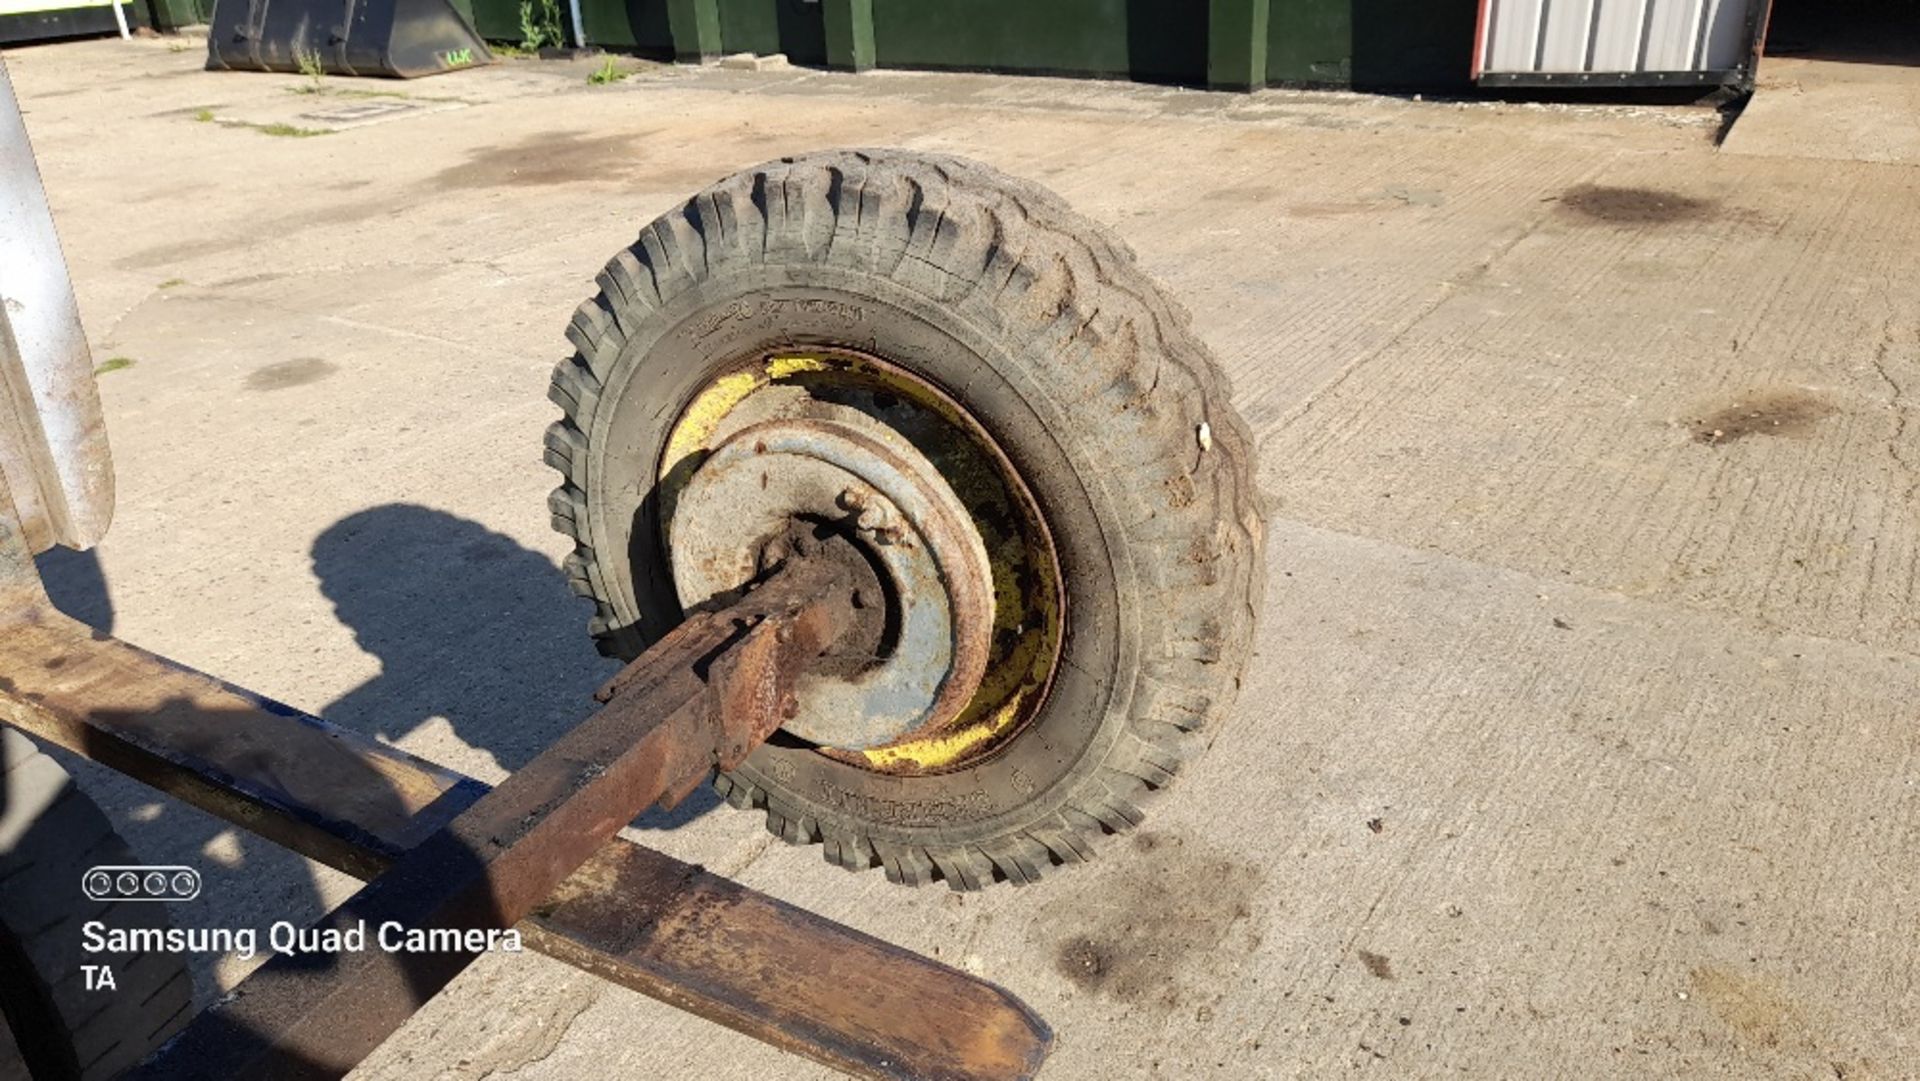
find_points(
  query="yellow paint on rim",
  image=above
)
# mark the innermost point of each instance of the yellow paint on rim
(704, 415)
(781, 367)
(1016, 680)
(934, 752)
(702, 418)
(1012, 683)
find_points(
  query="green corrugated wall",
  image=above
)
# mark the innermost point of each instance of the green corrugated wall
(774, 26)
(1309, 43)
(1150, 40)
(1369, 44)
(499, 20)
(751, 26)
(1372, 44)
(636, 26)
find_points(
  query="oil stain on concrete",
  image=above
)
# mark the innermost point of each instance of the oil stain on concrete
(545, 159)
(1634, 206)
(1378, 964)
(1167, 932)
(290, 373)
(1777, 413)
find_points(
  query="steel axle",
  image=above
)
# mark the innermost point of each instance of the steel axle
(538, 853)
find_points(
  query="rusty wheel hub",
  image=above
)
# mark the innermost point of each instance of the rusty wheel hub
(967, 603)
(830, 469)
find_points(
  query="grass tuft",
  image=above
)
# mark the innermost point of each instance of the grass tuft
(290, 131)
(312, 68)
(173, 283)
(608, 73)
(540, 25)
(114, 364)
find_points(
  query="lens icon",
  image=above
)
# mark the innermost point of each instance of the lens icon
(167, 882)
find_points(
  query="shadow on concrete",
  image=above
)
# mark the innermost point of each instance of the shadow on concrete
(246, 879)
(469, 626)
(250, 886)
(76, 586)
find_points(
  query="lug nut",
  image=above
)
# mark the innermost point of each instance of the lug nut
(852, 499)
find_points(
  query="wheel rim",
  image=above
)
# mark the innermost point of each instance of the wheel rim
(993, 554)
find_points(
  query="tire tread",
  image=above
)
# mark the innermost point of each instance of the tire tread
(958, 231)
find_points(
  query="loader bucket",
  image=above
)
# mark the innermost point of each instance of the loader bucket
(400, 38)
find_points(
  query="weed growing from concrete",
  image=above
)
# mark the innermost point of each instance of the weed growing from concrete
(312, 68)
(540, 25)
(289, 131)
(607, 73)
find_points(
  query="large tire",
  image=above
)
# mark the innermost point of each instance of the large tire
(50, 833)
(1040, 325)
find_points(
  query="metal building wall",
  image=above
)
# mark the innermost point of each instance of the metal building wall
(1399, 45)
(1624, 40)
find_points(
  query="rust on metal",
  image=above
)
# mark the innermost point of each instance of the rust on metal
(834, 464)
(339, 798)
(697, 697)
(1027, 600)
(296, 780)
(729, 954)
(334, 795)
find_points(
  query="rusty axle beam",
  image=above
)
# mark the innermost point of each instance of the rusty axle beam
(705, 695)
(630, 915)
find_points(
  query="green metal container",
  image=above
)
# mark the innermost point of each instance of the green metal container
(1237, 44)
(793, 27)
(1150, 40)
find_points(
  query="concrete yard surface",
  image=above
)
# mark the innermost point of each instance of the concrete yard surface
(1832, 109)
(1583, 734)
